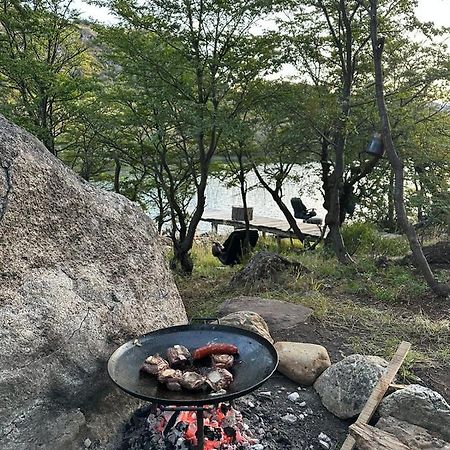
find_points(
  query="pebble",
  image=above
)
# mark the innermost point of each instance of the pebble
(294, 396)
(324, 441)
(301, 416)
(266, 393)
(302, 404)
(257, 447)
(87, 443)
(289, 409)
(289, 418)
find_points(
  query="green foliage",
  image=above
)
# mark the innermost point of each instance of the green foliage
(44, 66)
(364, 238)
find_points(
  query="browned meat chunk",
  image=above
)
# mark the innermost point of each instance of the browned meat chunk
(171, 378)
(154, 364)
(178, 356)
(193, 381)
(168, 375)
(222, 361)
(219, 379)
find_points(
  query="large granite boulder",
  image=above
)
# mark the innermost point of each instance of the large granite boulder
(302, 362)
(81, 272)
(420, 406)
(345, 386)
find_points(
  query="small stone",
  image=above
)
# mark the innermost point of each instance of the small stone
(324, 444)
(301, 416)
(324, 437)
(302, 404)
(257, 447)
(294, 396)
(289, 418)
(289, 409)
(266, 393)
(87, 443)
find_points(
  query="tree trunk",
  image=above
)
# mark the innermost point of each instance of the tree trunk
(117, 169)
(391, 207)
(243, 188)
(284, 209)
(397, 163)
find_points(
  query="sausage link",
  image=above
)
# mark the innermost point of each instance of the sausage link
(202, 352)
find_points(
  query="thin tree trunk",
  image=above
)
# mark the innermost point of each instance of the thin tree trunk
(396, 162)
(284, 209)
(117, 169)
(243, 188)
(391, 207)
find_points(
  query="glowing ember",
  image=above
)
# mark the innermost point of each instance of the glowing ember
(224, 429)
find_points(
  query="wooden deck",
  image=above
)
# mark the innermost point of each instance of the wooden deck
(278, 227)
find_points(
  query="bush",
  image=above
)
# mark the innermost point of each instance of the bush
(364, 238)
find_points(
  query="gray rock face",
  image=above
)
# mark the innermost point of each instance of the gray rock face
(301, 362)
(420, 406)
(247, 320)
(81, 272)
(345, 386)
(415, 437)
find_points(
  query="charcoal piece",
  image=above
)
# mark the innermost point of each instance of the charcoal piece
(193, 381)
(219, 379)
(178, 356)
(222, 361)
(154, 365)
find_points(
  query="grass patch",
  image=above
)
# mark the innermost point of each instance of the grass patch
(360, 303)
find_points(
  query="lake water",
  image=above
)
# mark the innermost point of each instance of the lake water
(306, 185)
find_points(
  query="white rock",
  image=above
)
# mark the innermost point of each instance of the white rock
(289, 418)
(257, 447)
(302, 404)
(87, 442)
(324, 444)
(294, 396)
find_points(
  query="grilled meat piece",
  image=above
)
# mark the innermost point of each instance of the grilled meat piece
(193, 381)
(154, 364)
(178, 356)
(219, 379)
(222, 361)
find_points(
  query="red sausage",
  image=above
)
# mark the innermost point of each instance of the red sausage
(202, 352)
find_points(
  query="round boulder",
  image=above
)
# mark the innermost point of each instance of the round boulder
(247, 320)
(302, 363)
(420, 406)
(345, 386)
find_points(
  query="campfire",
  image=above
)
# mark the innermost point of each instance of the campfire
(223, 428)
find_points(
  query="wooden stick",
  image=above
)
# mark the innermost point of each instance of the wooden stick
(371, 438)
(379, 390)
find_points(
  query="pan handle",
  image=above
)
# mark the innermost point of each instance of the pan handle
(204, 319)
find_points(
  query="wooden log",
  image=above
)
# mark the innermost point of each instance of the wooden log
(379, 390)
(371, 438)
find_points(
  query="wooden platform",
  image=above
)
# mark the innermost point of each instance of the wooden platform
(278, 227)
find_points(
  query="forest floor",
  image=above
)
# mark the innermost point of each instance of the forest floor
(363, 308)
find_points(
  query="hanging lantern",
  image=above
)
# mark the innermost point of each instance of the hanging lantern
(376, 147)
